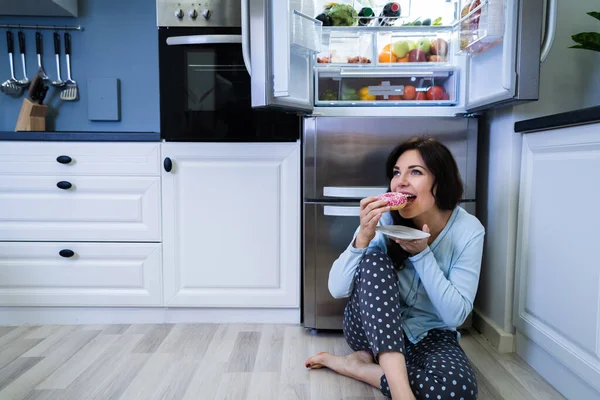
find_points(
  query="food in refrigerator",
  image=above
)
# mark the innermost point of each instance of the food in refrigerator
(389, 15)
(413, 49)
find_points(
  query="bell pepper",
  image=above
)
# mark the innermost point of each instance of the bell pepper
(364, 95)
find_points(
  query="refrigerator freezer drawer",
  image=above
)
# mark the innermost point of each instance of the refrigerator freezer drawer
(328, 230)
(342, 154)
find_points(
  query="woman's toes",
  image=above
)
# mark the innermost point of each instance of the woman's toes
(316, 361)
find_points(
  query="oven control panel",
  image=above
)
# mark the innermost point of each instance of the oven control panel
(202, 13)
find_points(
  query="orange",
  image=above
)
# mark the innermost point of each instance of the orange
(386, 56)
(403, 59)
(387, 47)
(410, 93)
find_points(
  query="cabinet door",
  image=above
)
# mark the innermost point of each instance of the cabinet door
(557, 294)
(231, 217)
(284, 38)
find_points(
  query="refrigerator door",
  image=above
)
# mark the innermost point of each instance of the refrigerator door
(282, 38)
(345, 157)
(509, 72)
(328, 231)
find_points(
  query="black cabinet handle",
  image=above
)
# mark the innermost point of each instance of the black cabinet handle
(64, 185)
(66, 253)
(168, 164)
(64, 159)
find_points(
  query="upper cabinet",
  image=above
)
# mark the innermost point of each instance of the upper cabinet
(40, 8)
(398, 58)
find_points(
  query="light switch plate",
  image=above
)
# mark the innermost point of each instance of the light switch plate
(104, 99)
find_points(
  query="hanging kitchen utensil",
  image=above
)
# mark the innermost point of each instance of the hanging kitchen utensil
(39, 46)
(25, 81)
(58, 82)
(10, 86)
(70, 92)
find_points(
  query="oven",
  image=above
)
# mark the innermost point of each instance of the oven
(205, 87)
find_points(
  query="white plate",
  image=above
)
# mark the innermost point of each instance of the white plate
(402, 232)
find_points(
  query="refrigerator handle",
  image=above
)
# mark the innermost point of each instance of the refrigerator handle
(550, 29)
(246, 35)
(341, 211)
(353, 192)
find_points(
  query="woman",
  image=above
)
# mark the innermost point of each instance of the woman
(408, 296)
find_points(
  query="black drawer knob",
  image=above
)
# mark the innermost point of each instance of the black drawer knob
(64, 185)
(66, 253)
(64, 159)
(168, 164)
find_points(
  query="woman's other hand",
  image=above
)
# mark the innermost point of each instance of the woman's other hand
(371, 211)
(414, 247)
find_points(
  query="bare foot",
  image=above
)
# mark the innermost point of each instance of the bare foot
(337, 363)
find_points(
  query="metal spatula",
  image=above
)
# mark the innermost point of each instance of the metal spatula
(70, 91)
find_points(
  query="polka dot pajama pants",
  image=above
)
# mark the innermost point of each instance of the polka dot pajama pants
(438, 369)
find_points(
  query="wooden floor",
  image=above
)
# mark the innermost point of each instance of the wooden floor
(205, 361)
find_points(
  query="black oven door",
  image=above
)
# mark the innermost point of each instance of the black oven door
(205, 91)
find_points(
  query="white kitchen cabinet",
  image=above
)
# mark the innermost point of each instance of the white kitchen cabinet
(231, 215)
(93, 208)
(557, 296)
(80, 274)
(80, 224)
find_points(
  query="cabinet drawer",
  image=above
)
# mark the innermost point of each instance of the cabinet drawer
(94, 208)
(97, 274)
(43, 158)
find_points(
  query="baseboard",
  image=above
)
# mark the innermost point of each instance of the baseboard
(553, 370)
(96, 315)
(503, 342)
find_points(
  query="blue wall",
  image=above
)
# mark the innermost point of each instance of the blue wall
(119, 40)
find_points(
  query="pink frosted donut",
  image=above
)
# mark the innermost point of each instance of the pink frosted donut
(396, 201)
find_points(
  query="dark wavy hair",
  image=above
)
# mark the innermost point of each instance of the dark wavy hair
(447, 188)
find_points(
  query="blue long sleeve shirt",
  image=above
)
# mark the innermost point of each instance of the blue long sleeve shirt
(437, 286)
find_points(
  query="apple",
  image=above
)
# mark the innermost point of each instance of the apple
(439, 47)
(411, 45)
(424, 45)
(421, 96)
(400, 49)
(417, 55)
(436, 93)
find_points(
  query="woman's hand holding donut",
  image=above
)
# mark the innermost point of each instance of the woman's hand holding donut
(371, 210)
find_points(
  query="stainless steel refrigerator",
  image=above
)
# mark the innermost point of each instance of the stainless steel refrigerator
(344, 161)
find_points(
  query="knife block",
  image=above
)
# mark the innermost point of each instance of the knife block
(32, 117)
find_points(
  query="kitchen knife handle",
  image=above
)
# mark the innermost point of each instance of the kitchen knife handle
(21, 36)
(67, 43)
(56, 43)
(38, 43)
(9, 41)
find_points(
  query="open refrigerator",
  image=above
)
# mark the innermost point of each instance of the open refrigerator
(486, 53)
(363, 89)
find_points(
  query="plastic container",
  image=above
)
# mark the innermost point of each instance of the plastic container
(351, 87)
(346, 46)
(421, 46)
